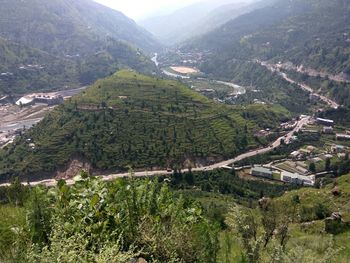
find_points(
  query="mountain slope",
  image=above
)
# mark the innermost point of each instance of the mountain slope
(192, 20)
(27, 70)
(68, 27)
(73, 43)
(314, 33)
(220, 16)
(131, 119)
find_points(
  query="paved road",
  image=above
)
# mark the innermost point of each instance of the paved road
(287, 138)
(305, 87)
(330, 102)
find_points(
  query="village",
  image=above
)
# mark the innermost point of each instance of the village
(308, 163)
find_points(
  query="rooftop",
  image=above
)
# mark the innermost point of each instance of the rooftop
(261, 169)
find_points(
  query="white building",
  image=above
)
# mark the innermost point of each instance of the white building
(25, 101)
(326, 122)
(297, 178)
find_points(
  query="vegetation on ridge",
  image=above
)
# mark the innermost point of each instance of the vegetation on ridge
(133, 120)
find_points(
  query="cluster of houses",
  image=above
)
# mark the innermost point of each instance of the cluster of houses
(293, 170)
(309, 151)
(288, 126)
(45, 98)
(328, 129)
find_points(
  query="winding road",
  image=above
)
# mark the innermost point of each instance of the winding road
(287, 138)
(333, 104)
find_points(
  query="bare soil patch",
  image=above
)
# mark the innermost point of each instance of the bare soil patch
(185, 70)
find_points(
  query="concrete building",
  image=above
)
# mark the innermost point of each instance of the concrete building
(49, 99)
(328, 130)
(295, 154)
(295, 178)
(341, 136)
(326, 122)
(338, 149)
(25, 101)
(260, 171)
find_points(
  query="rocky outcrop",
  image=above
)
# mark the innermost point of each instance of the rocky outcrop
(74, 167)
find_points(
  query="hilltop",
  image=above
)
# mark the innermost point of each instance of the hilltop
(129, 119)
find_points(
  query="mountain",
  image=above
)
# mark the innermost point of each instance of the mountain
(68, 27)
(24, 69)
(134, 120)
(71, 43)
(193, 20)
(314, 33)
(220, 16)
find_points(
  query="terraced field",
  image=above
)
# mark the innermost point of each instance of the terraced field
(134, 120)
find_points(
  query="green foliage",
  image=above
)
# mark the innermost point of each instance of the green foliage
(131, 119)
(48, 26)
(267, 86)
(266, 236)
(341, 116)
(312, 33)
(340, 91)
(56, 73)
(95, 221)
(312, 167)
(228, 183)
(13, 240)
(16, 194)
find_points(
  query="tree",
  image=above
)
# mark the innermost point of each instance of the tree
(312, 167)
(328, 164)
(94, 219)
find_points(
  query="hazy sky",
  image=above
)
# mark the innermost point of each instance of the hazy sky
(138, 9)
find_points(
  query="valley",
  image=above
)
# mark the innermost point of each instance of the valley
(192, 131)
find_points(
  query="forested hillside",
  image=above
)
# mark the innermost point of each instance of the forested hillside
(45, 72)
(61, 44)
(28, 70)
(134, 120)
(68, 27)
(264, 85)
(314, 33)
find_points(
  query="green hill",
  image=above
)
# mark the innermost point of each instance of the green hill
(131, 119)
(312, 199)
